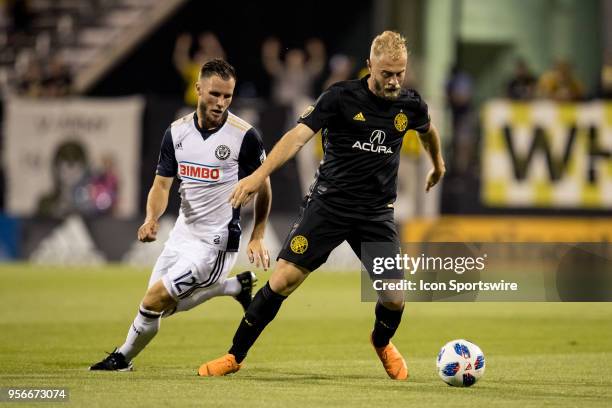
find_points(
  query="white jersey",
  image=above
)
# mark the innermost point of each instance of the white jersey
(208, 165)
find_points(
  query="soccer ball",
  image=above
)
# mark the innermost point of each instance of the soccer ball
(460, 363)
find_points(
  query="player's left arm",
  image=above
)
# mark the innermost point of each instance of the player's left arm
(430, 140)
(256, 250)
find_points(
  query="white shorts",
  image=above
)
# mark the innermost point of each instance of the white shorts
(183, 273)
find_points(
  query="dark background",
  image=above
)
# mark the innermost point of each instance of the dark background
(241, 26)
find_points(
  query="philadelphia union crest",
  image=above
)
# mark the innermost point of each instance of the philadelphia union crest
(222, 152)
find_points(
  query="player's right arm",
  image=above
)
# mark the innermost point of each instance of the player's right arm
(157, 201)
(315, 117)
(284, 150)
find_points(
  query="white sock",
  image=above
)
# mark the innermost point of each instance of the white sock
(229, 287)
(142, 331)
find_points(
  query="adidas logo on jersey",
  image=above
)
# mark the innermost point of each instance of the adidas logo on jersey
(359, 117)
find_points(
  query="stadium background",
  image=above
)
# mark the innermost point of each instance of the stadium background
(463, 55)
(88, 88)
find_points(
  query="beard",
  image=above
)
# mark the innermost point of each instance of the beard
(210, 121)
(390, 92)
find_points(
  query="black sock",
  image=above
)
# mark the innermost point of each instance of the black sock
(262, 310)
(387, 322)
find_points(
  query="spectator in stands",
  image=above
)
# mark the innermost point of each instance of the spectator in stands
(293, 77)
(209, 48)
(605, 81)
(341, 69)
(522, 85)
(30, 81)
(560, 83)
(459, 95)
(104, 187)
(57, 81)
(293, 80)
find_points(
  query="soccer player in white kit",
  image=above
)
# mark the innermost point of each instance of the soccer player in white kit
(209, 150)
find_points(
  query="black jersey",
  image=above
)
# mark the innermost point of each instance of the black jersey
(362, 139)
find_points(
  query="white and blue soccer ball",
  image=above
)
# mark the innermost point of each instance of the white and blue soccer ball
(460, 363)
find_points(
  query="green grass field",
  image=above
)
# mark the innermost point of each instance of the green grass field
(55, 322)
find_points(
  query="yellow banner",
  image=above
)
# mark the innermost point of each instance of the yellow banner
(508, 229)
(547, 155)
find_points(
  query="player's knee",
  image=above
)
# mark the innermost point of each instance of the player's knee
(286, 278)
(157, 298)
(397, 304)
(282, 285)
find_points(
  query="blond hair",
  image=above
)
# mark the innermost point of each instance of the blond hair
(389, 43)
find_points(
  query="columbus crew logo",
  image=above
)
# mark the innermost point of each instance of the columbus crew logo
(401, 121)
(222, 152)
(299, 244)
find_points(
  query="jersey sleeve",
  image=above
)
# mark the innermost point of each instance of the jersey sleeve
(317, 116)
(166, 164)
(252, 153)
(421, 120)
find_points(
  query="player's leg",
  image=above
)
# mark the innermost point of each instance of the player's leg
(188, 274)
(390, 305)
(146, 323)
(307, 246)
(240, 286)
(145, 326)
(285, 278)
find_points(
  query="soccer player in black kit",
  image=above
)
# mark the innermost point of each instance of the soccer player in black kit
(363, 123)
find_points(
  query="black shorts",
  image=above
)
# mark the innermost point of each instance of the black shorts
(317, 231)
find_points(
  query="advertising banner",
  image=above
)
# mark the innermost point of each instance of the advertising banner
(547, 155)
(66, 156)
(508, 229)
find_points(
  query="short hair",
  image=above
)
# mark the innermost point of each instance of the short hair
(390, 43)
(218, 67)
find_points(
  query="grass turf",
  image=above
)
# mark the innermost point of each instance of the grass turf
(55, 322)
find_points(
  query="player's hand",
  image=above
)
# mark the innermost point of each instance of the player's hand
(245, 190)
(315, 47)
(271, 48)
(148, 231)
(258, 253)
(434, 176)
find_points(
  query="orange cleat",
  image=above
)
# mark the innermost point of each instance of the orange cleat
(392, 361)
(221, 366)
